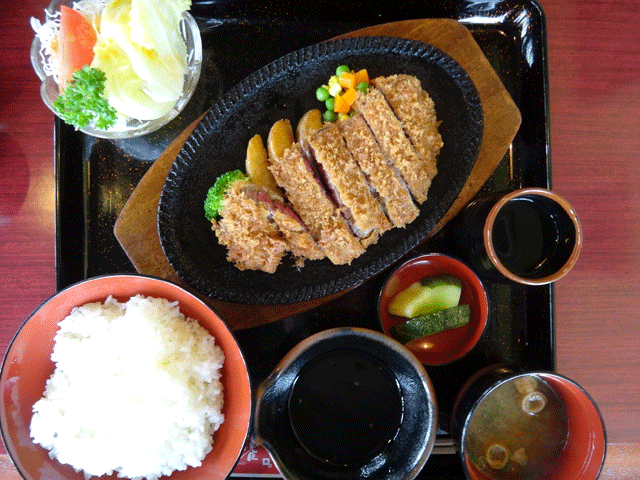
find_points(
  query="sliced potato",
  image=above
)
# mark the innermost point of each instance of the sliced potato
(256, 165)
(309, 123)
(280, 138)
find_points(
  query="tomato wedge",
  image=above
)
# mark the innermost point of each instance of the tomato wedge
(76, 39)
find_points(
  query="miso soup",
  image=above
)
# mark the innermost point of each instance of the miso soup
(518, 431)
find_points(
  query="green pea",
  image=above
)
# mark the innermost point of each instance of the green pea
(322, 94)
(363, 87)
(342, 69)
(329, 103)
(329, 116)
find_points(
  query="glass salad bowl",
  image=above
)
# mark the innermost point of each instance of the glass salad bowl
(125, 127)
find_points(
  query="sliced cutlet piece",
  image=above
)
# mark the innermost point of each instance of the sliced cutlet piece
(245, 227)
(301, 242)
(295, 175)
(347, 182)
(394, 144)
(387, 184)
(416, 110)
(295, 232)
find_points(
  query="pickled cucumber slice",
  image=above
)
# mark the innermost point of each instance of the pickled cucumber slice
(426, 296)
(432, 323)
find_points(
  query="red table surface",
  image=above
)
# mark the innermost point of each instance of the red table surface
(594, 66)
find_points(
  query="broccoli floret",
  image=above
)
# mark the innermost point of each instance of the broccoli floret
(215, 195)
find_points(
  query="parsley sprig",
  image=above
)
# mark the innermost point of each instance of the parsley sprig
(82, 102)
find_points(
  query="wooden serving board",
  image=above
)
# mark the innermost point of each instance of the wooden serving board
(136, 227)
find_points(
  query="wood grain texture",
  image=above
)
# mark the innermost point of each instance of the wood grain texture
(136, 227)
(594, 64)
(594, 53)
(27, 263)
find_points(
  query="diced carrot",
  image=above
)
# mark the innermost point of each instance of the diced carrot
(349, 96)
(76, 40)
(347, 80)
(361, 76)
(340, 105)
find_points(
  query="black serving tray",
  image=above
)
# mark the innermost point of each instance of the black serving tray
(94, 177)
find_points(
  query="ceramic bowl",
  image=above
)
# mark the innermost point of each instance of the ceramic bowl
(128, 128)
(529, 236)
(347, 404)
(583, 453)
(449, 345)
(27, 366)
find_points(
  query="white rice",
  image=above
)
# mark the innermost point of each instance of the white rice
(136, 390)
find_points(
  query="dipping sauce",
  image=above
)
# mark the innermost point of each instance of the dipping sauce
(518, 431)
(345, 407)
(529, 239)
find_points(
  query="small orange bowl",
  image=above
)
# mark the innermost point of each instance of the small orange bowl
(449, 345)
(27, 366)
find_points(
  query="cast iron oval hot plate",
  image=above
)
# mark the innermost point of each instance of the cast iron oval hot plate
(286, 89)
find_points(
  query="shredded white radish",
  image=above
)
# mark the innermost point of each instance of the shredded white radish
(47, 33)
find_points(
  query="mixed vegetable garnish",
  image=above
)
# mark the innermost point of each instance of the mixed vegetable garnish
(340, 92)
(114, 59)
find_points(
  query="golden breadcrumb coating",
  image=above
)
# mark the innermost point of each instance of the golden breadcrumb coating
(417, 112)
(349, 183)
(310, 202)
(253, 241)
(392, 191)
(393, 142)
(293, 230)
(301, 243)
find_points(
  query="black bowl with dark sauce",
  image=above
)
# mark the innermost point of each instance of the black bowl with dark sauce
(347, 403)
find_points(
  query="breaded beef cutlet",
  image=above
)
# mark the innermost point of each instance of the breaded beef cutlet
(348, 184)
(246, 228)
(300, 242)
(295, 232)
(345, 184)
(387, 184)
(416, 110)
(394, 143)
(294, 174)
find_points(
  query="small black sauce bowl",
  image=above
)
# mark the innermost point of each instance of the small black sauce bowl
(403, 456)
(476, 232)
